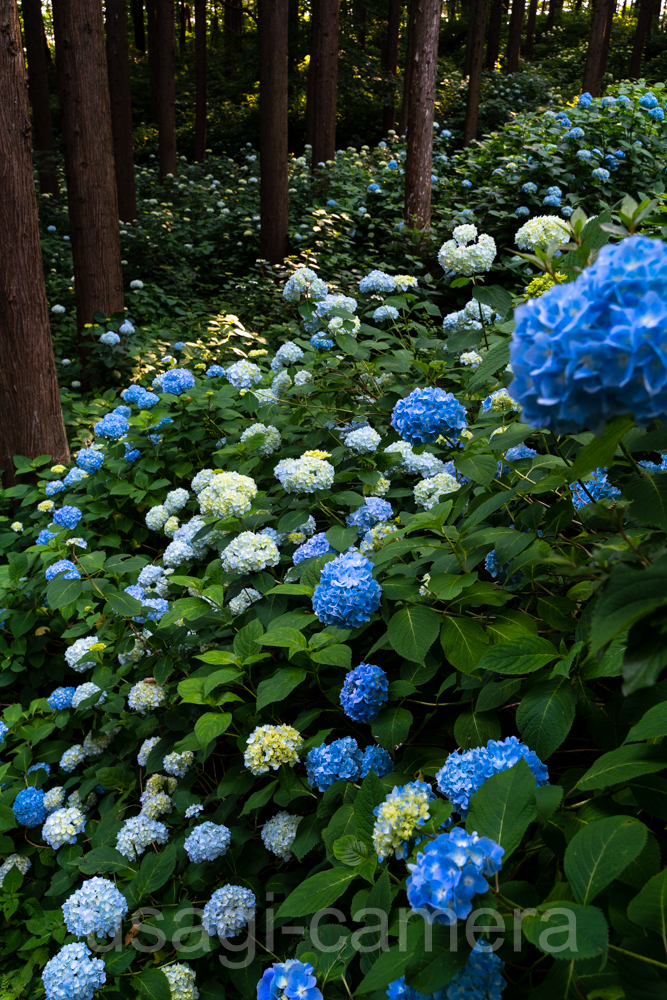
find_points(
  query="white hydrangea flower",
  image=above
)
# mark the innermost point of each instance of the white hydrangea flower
(146, 747)
(14, 861)
(171, 526)
(363, 441)
(242, 601)
(381, 488)
(54, 799)
(243, 374)
(281, 383)
(287, 354)
(85, 691)
(62, 827)
(181, 980)
(423, 465)
(202, 479)
(228, 494)
(278, 834)
(137, 833)
(250, 552)
(541, 231)
(471, 358)
(271, 746)
(94, 746)
(427, 493)
(156, 517)
(144, 696)
(303, 378)
(79, 649)
(178, 764)
(271, 437)
(462, 256)
(305, 474)
(176, 500)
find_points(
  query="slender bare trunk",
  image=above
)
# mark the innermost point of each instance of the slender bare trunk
(391, 60)
(138, 25)
(421, 113)
(478, 13)
(407, 75)
(293, 39)
(641, 35)
(153, 57)
(233, 22)
(274, 198)
(360, 17)
(32, 422)
(530, 29)
(324, 57)
(38, 77)
(596, 62)
(181, 27)
(200, 80)
(118, 65)
(514, 39)
(166, 97)
(495, 29)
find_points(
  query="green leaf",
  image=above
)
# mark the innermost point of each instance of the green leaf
(350, 851)
(211, 725)
(259, 799)
(597, 854)
(547, 800)
(652, 725)
(475, 729)
(522, 656)
(546, 714)
(623, 765)
(247, 641)
(62, 592)
(370, 795)
(317, 892)
(567, 931)
(628, 595)
(306, 838)
(479, 468)
(278, 687)
(340, 538)
(412, 631)
(649, 908)
(464, 643)
(649, 499)
(215, 680)
(187, 608)
(500, 300)
(124, 604)
(102, 860)
(152, 984)
(291, 589)
(155, 870)
(496, 693)
(7, 819)
(336, 656)
(391, 727)
(389, 966)
(504, 806)
(291, 520)
(284, 638)
(599, 453)
(218, 656)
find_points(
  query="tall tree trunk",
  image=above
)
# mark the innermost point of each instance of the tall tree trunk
(554, 9)
(200, 80)
(324, 56)
(233, 32)
(594, 69)
(606, 42)
(32, 422)
(153, 57)
(478, 13)
(514, 39)
(274, 198)
(166, 96)
(407, 75)
(421, 113)
(495, 30)
(118, 65)
(293, 39)
(181, 27)
(391, 60)
(310, 93)
(138, 25)
(89, 161)
(38, 76)
(641, 35)
(530, 29)
(360, 17)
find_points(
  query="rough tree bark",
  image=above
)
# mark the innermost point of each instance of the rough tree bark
(89, 161)
(233, 22)
(407, 75)
(593, 68)
(421, 113)
(606, 42)
(38, 77)
(182, 17)
(478, 13)
(514, 39)
(32, 422)
(166, 87)
(293, 38)
(552, 12)
(391, 60)
(153, 57)
(495, 30)
(200, 80)
(641, 35)
(138, 25)
(273, 194)
(530, 29)
(118, 66)
(324, 59)
(360, 17)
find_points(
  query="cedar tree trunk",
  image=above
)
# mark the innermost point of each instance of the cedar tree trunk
(514, 39)
(118, 66)
(478, 14)
(324, 57)
(606, 42)
(32, 422)
(138, 25)
(530, 29)
(153, 57)
(233, 22)
(421, 113)
(200, 80)
(391, 60)
(274, 199)
(495, 29)
(593, 69)
(293, 38)
(360, 17)
(38, 77)
(641, 35)
(181, 27)
(89, 161)
(407, 75)
(166, 93)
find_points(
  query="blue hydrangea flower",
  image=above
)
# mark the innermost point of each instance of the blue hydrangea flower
(179, 345)
(321, 342)
(590, 350)
(657, 114)
(373, 188)
(653, 467)
(552, 200)
(514, 454)
(177, 381)
(112, 426)
(124, 411)
(228, 911)
(131, 454)
(72, 974)
(36, 767)
(96, 908)
(340, 761)
(376, 759)
(425, 414)
(585, 100)
(600, 174)
(648, 101)
(399, 990)
(500, 571)
(4, 728)
(347, 595)
(566, 211)
(215, 371)
(463, 773)
(64, 566)
(466, 184)
(292, 979)
(61, 698)
(29, 807)
(67, 517)
(74, 475)
(369, 514)
(54, 487)
(315, 546)
(364, 692)
(45, 536)
(383, 313)
(529, 187)
(449, 872)
(377, 281)
(584, 154)
(207, 842)
(597, 487)
(522, 211)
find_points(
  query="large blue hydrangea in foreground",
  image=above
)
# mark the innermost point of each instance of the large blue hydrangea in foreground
(464, 773)
(449, 872)
(72, 974)
(479, 979)
(425, 414)
(292, 979)
(587, 351)
(347, 595)
(365, 691)
(96, 908)
(29, 807)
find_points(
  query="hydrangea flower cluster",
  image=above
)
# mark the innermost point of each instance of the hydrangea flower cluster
(242, 601)
(96, 908)
(362, 441)
(342, 760)
(207, 842)
(369, 514)
(270, 437)
(426, 414)
(364, 692)
(316, 546)
(228, 911)
(249, 553)
(72, 974)
(243, 374)
(136, 835)
(181, 979)
(377, 281)
(479, 979)
(499, 401)
(176, 381)
(64, 566)
(540, 232)
(63, 826)
(463, 773)
(225, 494)
(29, 807)
(373, 539)
(305, 474)
(461, 256)
(112, 426)
(85, 691)
(589, 350)
(515, 454)
(594, 489)
(270, 746)
(427, 493)
(405, 808)
(289, 980)
(304, 281)
(347, 595)
(54, 799)
(72, 757)
(449, 872)
(144, 696)
(471, 359)
(178, 764)
(78, 649)
(423, 465)
(278, 834)
(287, 354)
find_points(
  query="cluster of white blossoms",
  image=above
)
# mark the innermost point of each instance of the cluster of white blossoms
(178, 764)
(461, 256)
(14, 861)
(137, 833)
(85, 691)
(541, 231)
(306, 474)
(226, 494)
(228, 911)
(243, 374)
(474, 316)
(95, 745)
(471, 358)
(271, 439)
(242, 601)
(362, 441)
(270, 746)
(423, 465)
(176, 500)
(181, 979)
(144, 696)
(249, 553)
(374, 537)
(54, 799)
(427, 493)
(146, 747)
(71, 758)
(62, 827)
(287, 354)
(155, 799)
(79, 649)
(207, 842)
(279, 832)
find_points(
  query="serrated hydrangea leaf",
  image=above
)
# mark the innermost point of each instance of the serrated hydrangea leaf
(464, 642)
(412, 631)
(597, 854)
(475, 729)
(652, 725)
(546, 714)
(317, 892)
(211, 725)
(154, 871)
(278, 687)
(391, 727)
(623, 765)
(568, 931)
(504, 806)
(522, 656)
(649, 907)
